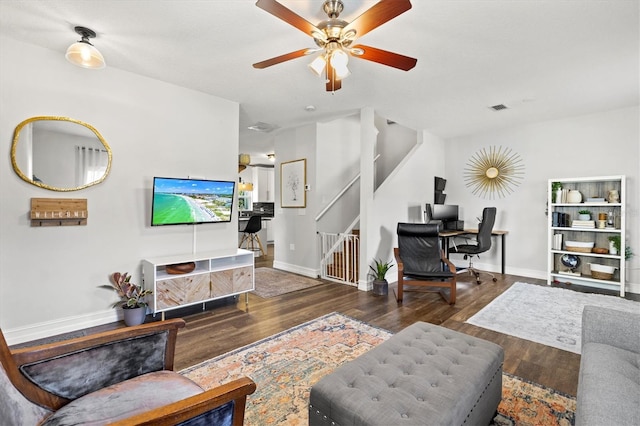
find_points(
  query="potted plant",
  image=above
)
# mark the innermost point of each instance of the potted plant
(614, 247)
(131, 296)
(556, 192)
(584, 215)
(379, 272)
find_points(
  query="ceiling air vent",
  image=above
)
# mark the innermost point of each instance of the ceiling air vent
(498, 107)
(262, 127)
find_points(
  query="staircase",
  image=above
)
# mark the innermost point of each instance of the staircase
(340, 253)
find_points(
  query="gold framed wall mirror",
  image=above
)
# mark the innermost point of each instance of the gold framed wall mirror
(59, 153)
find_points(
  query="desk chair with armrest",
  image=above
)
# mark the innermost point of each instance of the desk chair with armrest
(117, 377)
(482, 244)
(421, 261)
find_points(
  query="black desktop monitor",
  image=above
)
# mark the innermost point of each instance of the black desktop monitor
(444, 212)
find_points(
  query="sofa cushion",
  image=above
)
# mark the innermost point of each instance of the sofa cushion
(609, 386)
(122, 400)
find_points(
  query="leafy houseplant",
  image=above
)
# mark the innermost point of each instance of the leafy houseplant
(380, 284)
(555, 186)
(381, 269)
(131, 295)
(615, 240)
(584, 214)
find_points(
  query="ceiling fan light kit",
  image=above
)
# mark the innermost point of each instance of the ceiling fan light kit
(334, 37)
(84, 54)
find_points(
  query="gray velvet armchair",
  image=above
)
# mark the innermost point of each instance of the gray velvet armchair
(121, 376)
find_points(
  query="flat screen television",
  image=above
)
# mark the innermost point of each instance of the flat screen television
(191, 201)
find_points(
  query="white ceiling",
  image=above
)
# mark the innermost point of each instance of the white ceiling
(545, 59)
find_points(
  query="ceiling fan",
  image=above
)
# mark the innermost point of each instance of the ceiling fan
(334, 38)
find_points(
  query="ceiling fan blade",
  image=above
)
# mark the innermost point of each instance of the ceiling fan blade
(333, 82)
(378, 14)
(288, 16)
(384, 57)
(283, 58)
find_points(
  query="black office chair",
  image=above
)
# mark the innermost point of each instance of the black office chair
(250, 235)
(421, 261)
(483, 242)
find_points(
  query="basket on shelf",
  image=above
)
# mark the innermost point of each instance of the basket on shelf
(601, 275)
(579, 246)
(602, 272)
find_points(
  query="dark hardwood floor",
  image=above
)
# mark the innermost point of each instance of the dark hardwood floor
(230, 324)
(224, 328)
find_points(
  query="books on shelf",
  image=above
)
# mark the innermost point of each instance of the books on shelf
(557, 242)
(559, 219)
(583, 224)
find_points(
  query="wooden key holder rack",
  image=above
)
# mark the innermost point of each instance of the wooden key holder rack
(59, 211)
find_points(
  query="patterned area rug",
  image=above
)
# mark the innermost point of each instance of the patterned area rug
(273, 282)
(285, 365)
(542, 314)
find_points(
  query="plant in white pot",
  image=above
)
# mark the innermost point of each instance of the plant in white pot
(380, 284)
(134, 308)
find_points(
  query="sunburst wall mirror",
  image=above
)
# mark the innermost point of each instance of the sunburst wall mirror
(494, 172)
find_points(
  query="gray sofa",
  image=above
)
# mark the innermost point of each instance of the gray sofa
(609, 381)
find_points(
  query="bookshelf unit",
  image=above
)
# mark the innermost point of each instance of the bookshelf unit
(216, 275)
(562, 213)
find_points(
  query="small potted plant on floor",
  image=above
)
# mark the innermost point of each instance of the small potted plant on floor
(134, 308)
(379, 272)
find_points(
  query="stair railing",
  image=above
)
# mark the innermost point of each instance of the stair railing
(339, 262)
(341, 193)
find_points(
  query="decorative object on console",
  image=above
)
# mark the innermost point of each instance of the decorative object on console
(58, 211)
(495, 172)
(293, 182)
(76, 154)
(131, 298)
(380, 283)
(180, 268)
(84, 54)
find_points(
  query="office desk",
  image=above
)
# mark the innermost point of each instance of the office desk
(446, 235)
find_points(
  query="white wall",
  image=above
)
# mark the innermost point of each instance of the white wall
(602, 144)
(402, 197)
(295, 241)
(49, 276)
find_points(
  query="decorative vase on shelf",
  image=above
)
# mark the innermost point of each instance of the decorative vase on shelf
(574, 196)
(613, 196)
(559, 195)
(134, 316)
(612, 248)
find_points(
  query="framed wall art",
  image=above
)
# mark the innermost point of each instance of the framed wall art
(293, 179)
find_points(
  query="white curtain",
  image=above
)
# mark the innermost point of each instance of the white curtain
(91, 164)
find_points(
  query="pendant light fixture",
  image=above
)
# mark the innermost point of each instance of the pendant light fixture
(82, 53)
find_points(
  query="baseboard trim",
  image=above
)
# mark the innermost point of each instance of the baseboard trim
(60, 326)
(307, 272)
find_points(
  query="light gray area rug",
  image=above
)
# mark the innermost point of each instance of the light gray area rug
(273, 282)
(542, 314)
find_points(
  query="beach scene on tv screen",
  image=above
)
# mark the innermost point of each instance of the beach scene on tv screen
(178, 201)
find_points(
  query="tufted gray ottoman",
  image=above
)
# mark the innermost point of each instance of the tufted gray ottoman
(424, 375)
